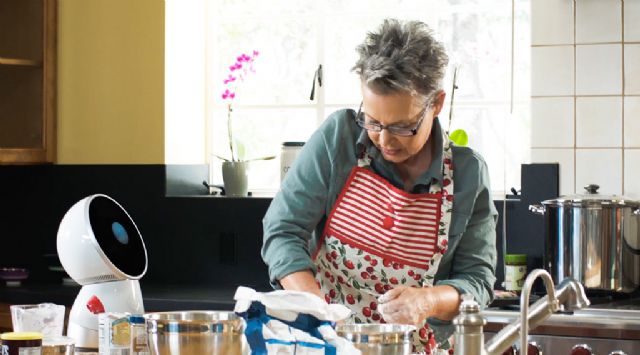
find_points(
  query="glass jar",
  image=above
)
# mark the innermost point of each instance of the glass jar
(22, 343)
(288, 154)
(515, 271)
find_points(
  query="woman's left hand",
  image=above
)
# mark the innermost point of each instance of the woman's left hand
(407, 305)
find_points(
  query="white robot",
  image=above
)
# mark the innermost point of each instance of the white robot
(101, 248)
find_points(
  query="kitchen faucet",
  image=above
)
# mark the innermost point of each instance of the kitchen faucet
(469, 337)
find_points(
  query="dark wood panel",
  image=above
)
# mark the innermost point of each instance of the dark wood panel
(21, 30)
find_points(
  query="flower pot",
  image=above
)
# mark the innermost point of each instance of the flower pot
(234, 176)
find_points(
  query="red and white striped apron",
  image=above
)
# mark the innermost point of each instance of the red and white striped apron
(378, 237)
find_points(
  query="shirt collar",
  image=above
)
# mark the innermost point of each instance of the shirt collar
(435, 169)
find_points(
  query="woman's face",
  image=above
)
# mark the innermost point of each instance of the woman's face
(404, 110)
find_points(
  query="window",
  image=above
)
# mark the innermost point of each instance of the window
(487, 40)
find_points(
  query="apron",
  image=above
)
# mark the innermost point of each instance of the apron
(378, 237)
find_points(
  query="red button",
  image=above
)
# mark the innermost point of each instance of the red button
(388, 222)
(94, 305)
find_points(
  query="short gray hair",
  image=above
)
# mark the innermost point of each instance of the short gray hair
(402, 57)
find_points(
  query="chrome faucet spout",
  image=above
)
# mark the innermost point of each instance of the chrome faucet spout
(569, 293)
(524, 302)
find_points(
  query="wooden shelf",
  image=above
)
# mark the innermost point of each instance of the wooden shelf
(18, 61)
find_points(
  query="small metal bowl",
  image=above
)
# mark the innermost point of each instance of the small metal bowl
(374, 339)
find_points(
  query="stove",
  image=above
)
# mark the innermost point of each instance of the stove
(611, 325)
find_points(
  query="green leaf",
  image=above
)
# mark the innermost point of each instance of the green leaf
(459, 137)
(240, 150)
(345, 273)
(358, 320)
(221, 158)
(356, 285)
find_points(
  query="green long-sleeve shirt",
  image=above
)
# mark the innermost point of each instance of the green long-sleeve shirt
(298, 213)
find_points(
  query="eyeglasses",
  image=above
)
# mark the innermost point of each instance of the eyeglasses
(403, 131)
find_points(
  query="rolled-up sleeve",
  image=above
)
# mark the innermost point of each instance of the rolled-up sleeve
(474, 260)
(297, 209)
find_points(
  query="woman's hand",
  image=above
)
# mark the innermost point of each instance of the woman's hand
(406, 305)
(411, 305)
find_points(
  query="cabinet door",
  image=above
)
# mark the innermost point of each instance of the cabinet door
(27, 80)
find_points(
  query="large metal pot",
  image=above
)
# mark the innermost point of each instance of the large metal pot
(196, 332)
(593, 238)
(379, 339)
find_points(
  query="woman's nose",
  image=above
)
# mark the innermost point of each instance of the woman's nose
(385, 137)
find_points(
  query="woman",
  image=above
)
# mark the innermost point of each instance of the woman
(371, 214)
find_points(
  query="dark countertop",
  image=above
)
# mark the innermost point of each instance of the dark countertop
(156, 297)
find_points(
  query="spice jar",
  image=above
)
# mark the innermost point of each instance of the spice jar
(515, 271)
(288, 154)
(22, 343)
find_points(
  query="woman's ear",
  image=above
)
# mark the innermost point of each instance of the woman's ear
(438, 102)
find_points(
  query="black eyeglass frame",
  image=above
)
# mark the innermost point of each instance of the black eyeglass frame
(377, 127)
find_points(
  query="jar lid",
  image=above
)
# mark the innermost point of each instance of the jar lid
(21, 336)
(515, 258)
(292, 144)
(592, 199)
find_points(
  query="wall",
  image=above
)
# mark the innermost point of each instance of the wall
(111, 81)
(586, 92)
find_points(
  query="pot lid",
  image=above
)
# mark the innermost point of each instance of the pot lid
(592, 198)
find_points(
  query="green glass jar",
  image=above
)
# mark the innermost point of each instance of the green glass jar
(515, 271)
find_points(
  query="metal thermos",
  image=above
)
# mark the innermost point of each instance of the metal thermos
(469, 338)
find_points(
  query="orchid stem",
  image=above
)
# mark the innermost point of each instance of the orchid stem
(229, 109)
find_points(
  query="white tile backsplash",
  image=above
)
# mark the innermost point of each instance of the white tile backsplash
(552, 71)
(598, 21)
(551, 22)
(552, 122)
(562, 156)
(598, 69)
(599, 166)
(632, 20)
(632, 122)
(632, 69)
(632, 173)
(599, 121)
(606, 90)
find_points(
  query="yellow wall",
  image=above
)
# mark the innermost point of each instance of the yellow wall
(110, 82)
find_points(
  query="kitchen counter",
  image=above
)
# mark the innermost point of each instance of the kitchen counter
(156, 297)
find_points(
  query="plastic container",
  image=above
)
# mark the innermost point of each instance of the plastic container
(22, 343)
(515, 271)
(288, 154)
(45, 318)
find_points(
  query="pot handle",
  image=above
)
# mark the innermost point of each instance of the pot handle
(537, 209)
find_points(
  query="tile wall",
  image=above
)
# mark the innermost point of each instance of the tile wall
(585, 92)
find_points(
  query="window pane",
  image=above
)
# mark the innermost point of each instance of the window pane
(284, 68)
(259, 133)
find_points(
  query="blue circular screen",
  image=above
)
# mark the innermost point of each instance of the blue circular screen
(120, 233)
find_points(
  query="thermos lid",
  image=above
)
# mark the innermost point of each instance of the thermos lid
(592, 199)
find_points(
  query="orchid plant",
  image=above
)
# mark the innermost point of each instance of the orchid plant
(238, 73)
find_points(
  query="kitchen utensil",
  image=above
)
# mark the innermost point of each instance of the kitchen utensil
(593, 238)
(45, 318)
(101, 248)
(379, 339)
(196, 332)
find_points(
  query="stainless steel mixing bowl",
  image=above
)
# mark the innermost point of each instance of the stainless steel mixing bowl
(379, 339)
(196, 332)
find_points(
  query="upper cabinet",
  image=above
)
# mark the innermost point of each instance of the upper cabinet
(28, 45)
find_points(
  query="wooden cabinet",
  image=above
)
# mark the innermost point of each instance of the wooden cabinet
(28, 46)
